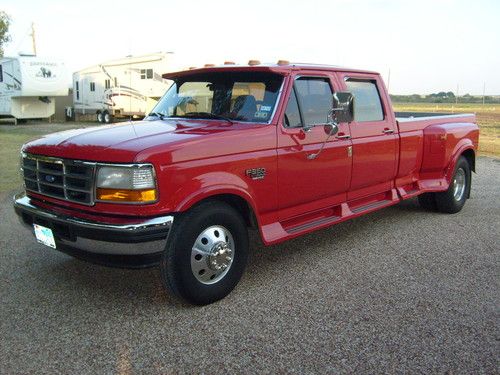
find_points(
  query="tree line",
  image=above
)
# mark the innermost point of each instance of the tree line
(445, 97)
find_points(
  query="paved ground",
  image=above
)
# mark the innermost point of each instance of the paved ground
(401, 290)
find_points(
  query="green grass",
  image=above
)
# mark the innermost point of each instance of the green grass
(488, 119)
(12, 137)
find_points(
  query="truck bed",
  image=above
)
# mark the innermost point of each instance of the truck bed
(427, 115)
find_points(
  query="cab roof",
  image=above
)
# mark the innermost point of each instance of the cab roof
(282, 69)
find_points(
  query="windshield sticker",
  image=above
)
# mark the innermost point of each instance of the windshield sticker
(265, 108)
(260, 114)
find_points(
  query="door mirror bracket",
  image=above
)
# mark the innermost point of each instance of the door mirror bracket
(342, 107)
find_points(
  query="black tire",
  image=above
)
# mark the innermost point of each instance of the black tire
(99, 117)
(428, 201)
(107, 117)
(175, 265)
(450, 201)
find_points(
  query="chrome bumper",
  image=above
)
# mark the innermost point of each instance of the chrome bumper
(138, 237)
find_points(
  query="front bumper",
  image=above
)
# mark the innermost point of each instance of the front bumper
(138, 236)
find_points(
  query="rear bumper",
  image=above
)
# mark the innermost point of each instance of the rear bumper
(137, 236)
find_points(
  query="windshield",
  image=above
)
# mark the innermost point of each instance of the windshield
(238, 96)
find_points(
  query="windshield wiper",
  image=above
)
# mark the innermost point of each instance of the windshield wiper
(207, 115)
(161, 116)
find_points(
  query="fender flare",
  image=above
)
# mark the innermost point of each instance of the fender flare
(460, 148)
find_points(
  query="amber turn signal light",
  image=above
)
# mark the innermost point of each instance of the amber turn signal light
(124, 195)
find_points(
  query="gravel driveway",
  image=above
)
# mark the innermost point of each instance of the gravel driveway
(399, 290)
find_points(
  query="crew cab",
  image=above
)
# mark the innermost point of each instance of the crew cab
(284, 148)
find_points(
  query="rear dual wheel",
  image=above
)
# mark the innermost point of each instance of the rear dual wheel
(452, 200)
(206, 253)
(107, 117)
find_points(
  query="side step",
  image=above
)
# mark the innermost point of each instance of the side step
(336, 214)
(371, 206)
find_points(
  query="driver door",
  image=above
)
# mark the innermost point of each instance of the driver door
(306, 184)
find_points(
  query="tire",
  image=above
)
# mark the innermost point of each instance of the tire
(428, 201)
(108, 119)
(195, 274)
(452, 200)
(99, 117)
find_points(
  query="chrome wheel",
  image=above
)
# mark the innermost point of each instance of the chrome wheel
(212, 254)
(459, 183)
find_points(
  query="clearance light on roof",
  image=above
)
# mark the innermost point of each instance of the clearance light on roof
(229, 63)
(192, 67)
(209, 65)
(253, 62)
(283, 62)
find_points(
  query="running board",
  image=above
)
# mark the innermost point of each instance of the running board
(371, 206)
(313, 224)
(333, 215)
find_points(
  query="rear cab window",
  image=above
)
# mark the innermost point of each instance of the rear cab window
(367, 102)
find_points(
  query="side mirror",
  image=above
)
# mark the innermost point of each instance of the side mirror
(343, 107)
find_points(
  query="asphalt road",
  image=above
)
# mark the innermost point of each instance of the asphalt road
(400, 290)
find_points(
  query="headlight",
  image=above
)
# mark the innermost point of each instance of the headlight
(128, 184)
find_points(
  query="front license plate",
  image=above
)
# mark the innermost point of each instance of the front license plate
(44, 236)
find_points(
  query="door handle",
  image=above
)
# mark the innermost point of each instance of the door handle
(343, 136)
(388, 131)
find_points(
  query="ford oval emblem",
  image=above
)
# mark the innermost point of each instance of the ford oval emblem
(50, 178)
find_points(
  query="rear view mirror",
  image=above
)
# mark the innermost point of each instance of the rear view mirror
(343, 107)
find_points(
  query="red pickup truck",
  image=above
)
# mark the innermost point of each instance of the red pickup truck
(284, 148)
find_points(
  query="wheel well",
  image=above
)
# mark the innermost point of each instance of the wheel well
(239, 204)
(471, 158)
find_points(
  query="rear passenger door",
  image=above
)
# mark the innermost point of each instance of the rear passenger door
(306, 184)
(373, 135)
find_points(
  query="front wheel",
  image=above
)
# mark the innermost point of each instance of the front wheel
(206, 253)
(452, 200)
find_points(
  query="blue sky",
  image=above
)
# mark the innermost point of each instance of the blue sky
(428, 45)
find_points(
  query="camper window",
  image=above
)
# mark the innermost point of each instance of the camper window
(92, 86)
(1, 74)
(146, 73)
(107, 84)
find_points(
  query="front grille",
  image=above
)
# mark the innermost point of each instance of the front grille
(69, 180)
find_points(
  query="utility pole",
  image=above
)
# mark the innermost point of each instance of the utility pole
(484, 90)
(33, 37)
(456, 96)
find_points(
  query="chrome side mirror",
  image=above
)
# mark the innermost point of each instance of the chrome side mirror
(342, 107)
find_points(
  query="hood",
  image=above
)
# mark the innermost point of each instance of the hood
(121, 143)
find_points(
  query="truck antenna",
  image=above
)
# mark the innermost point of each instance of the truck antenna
(33, 37)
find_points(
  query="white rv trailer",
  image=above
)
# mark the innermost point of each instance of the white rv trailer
(127, 87)
(29, 85)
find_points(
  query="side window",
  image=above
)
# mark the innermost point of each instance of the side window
(292, 113)
(107, 84)
(368, 106)
(92, 86)
(315, 99)
(1, 74)
(77, 87)
(146, 73)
